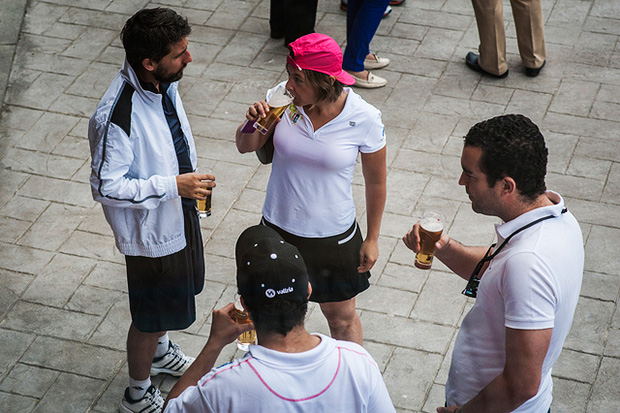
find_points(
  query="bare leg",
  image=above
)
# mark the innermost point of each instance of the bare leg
(140, 352)
(343, 321)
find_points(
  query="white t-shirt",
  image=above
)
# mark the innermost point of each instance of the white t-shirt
(532, 284)
(335, 376)
(309, 192)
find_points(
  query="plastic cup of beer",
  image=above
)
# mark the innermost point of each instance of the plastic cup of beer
(204, 205)
(242, 317)
(431, 227)
(278, 102)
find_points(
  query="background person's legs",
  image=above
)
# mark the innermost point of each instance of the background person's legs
(529, 24)
(490, 21)
(140, 352)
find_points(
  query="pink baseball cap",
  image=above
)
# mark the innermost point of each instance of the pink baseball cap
(320, 53)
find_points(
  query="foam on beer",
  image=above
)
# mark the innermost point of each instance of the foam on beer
(431, 225)
(280, 97)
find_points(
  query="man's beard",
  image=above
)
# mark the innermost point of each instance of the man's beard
(163, 77)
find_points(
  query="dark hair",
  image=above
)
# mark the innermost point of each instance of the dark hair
(322, 83)
(278, 316)
(513, 146)
(149, 33)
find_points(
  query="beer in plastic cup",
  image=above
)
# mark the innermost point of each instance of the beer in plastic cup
(278, 102)
(431, 227)
(204, 205)
(242, 317)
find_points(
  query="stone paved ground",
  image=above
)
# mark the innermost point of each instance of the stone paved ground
(63, 299)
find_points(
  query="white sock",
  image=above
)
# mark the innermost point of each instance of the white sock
(162, 345)
(138, 388)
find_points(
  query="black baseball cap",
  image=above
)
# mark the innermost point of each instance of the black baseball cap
(268, 268)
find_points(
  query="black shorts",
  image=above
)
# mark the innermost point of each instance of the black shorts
(162, 290)
(332, 263)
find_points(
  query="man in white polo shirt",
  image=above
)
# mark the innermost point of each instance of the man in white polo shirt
(290, 370)
(524, 307)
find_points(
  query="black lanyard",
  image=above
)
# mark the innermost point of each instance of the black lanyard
(471, 290)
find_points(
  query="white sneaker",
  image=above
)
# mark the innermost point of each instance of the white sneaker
(151, 402)
(174, 362)
(376, 62)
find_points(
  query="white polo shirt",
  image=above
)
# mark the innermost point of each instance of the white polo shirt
(309, 191)
(532, 284)
(335, 376)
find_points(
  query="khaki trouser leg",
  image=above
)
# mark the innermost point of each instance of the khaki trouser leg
(530, 33)
(490, 20)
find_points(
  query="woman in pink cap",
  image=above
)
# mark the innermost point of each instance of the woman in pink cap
(309, 197)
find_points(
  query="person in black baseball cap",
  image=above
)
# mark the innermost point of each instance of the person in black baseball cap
(289, 369)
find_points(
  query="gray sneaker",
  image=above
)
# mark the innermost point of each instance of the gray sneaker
(151, 402)
(174, 362)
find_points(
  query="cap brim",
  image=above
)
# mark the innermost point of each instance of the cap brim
(346, 78)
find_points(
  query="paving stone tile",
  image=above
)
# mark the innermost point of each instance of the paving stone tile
(492, 94)
(38, 163)
(403, 277)
(589, 168)
(59, 280)
(108, 275)
(53, 227)
(401, 302)
(63, 397)
(441, 300)
(531, 104)
(23, 259)
(408, 377)
(42, 92)
(568, 13)
(77, 358)
(604, 391)
(612, 347)
(430, 133)
(25, 209)
(439, 43)
(195, 103)
(602, 254)
(575, 186)
(41, 16)
(461, 107)
(251, 201)
(47, 132)
(39, 319)
(406, 332)
(605, 110)
(611, 193)
(15, 403)
(575, 97)
(577, 366)
(112, 330)
(92, 246)
(600, 286)
(605, 8)
(90, 43)
(404, 189)
(13, 344)
(11, 229)
(224, 238)
(598, 148)
(435, 19)
(436, 398)
(569, 396)
(93, 18)
(93, 300)
(590, 326)
(28, 380)
(561, 148)
(381, 353)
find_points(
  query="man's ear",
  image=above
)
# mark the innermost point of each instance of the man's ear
(149, 65)
(508, 185)
(309, 290)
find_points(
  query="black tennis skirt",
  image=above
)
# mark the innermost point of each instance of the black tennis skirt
(331, 262)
